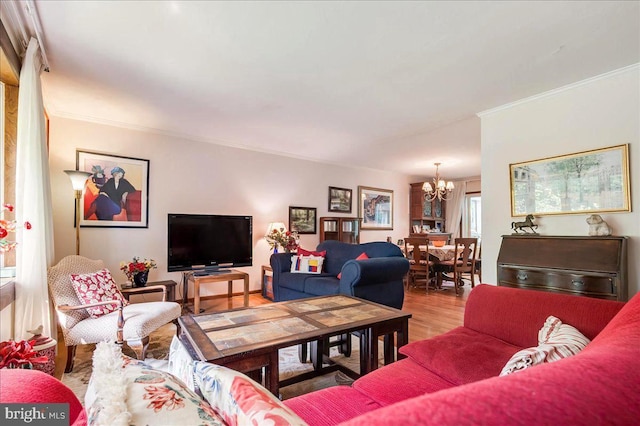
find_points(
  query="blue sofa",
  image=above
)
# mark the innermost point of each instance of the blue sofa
(378, 279)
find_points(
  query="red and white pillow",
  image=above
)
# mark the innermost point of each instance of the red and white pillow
(97, 287)
(555, 342)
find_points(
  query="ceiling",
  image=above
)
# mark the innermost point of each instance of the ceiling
(383, 85)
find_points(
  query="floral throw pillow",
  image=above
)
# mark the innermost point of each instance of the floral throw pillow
(97, 287)
(240, 400)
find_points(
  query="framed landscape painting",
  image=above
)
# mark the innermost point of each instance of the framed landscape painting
(339, 200)
(117, 192)
(585, 182)
(375, 208)
(302, 220)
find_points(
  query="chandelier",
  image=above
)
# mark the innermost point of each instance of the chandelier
(440, 188)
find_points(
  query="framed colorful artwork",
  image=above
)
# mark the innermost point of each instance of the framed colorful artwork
(117, 192)
(375, 208)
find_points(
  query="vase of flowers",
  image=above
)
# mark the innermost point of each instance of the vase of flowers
(137, 271)
(283, 238)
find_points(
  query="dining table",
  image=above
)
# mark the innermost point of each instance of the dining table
(446, 252)
(437, 254)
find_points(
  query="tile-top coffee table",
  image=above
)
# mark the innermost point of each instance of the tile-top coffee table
(248, 339)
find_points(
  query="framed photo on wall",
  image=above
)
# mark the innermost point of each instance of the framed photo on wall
(117, 192)
(584, 182)
(339, 200)
(375, 208)
(302, 220)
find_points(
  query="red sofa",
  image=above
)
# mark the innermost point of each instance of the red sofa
(452, 379)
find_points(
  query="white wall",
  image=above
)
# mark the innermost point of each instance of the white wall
(598, 113)
(197, 177)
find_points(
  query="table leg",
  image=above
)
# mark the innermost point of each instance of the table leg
(171, 294)
(246, 290)
(366, 351)
(272, 374)
(196, 296)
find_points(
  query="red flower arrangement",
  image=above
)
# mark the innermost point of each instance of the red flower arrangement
(7, 226)
(19, 354)
(137, 266)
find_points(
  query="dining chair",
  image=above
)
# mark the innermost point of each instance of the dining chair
(464, 261)
(420, 266)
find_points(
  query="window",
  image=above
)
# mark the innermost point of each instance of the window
(472, 215)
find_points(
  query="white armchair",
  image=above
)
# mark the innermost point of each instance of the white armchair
(131, 324)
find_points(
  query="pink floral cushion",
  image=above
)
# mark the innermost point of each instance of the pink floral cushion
(97, 287)
(240, 400)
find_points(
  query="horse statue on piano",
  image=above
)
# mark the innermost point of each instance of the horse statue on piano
(527, 223)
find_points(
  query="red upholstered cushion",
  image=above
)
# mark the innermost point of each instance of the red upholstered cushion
(97, 287)
(461, 355)
(362, 256)
(19, 385)
(303, 252)
(330, 406)
(415, 380)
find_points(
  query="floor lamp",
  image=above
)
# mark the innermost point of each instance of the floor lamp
(78, 180)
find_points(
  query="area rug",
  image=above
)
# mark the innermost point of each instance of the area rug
(158, 353)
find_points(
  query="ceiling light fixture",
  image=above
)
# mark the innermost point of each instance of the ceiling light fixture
(440, 189)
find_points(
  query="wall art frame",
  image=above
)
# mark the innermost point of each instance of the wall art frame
(584, 182)
(105, 204)
(340, 200)
(303, 220)
(375, 208)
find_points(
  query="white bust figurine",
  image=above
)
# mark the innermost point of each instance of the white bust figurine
(597, 226)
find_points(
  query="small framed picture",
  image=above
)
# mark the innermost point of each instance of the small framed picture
(339, 200)
(302, 220)
(116, 195)
(375, 207)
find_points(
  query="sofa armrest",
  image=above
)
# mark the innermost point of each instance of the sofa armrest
(378, 279)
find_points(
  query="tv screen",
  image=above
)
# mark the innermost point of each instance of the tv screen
(198, 241)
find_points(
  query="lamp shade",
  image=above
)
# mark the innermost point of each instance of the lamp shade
(78, 178)
(278, 226)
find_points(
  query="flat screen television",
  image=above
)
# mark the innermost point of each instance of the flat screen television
(203, 242)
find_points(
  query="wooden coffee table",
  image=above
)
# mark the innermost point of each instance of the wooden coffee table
(248, 339)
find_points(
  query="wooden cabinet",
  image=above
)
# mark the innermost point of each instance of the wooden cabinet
(345, 229)
(423, 212)
(582, 266)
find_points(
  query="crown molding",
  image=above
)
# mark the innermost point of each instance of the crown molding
(560, 90)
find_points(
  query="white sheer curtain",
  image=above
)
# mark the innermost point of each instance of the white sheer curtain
(454, 208)
(33, 203)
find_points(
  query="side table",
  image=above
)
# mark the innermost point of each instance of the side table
(267, 281)
(169, 285)
(229, 276)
